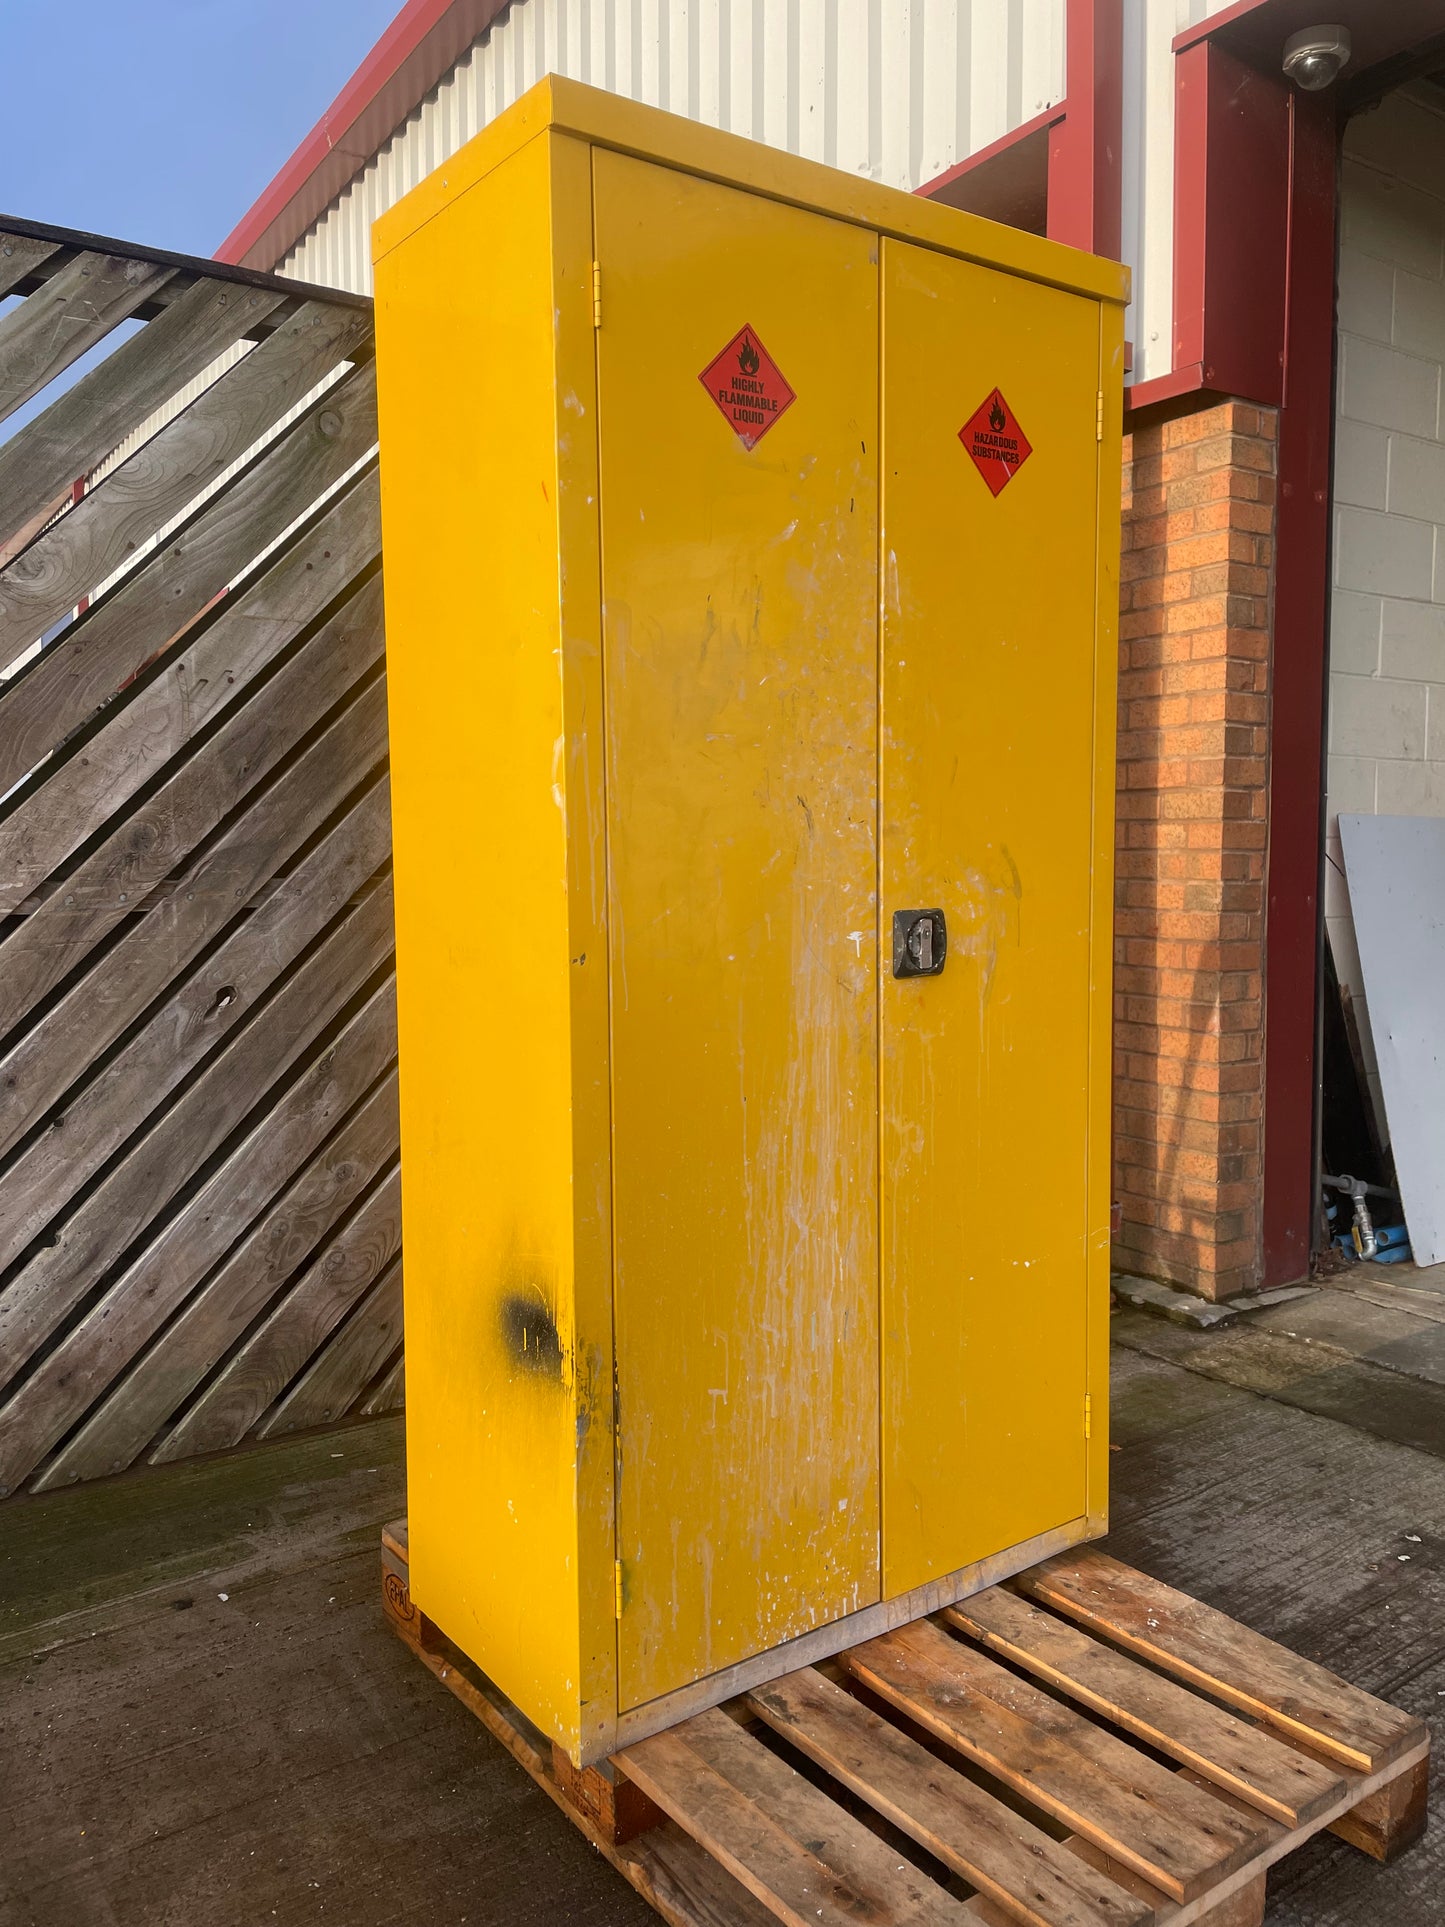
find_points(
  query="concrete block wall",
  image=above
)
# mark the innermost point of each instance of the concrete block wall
(1387, 630)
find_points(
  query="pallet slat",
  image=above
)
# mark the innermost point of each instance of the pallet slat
(1179, 1837)
(965, 1827)
(1244, 1759)
(757, 1831)
(1194, 1642)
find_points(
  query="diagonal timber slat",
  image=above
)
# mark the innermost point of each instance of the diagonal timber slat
(213, 1000)
(145, 845)
(238, 1292)
(197, 1020)
(334, 1280)
(117, 518)
(20, 256)
(116, 640)
(80, 792)
(341, 1372)
(74, 1031)
(64, 319)
(113, 1331)
(83, 425)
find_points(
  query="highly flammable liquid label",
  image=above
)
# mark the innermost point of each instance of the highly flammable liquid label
(748, 386)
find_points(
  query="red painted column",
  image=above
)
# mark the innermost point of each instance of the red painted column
(1085, 178)
(1301, 616)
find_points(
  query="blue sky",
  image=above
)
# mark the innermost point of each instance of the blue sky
(160, 121)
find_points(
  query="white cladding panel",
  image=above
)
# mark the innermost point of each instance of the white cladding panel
(897, 90)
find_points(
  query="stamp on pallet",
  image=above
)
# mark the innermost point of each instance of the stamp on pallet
(1082, 1747)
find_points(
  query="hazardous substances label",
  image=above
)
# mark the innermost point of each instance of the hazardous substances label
(996, 444)
(748, 387)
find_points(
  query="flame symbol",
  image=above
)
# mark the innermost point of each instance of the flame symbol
(997, 419)
(748, 358)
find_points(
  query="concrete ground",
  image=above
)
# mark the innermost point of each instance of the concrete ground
(204, 1723)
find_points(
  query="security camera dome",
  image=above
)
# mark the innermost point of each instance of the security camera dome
(1314, 58)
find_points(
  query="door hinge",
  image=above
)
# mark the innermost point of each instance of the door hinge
(617, 1584)
(596, 294)
(1088, 1415)
(1099, 418)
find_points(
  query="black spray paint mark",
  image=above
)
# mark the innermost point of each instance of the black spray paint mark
(530, 1335)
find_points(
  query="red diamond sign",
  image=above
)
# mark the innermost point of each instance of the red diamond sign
(998, 446)
(748, 386)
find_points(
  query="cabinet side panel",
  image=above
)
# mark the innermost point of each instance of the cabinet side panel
(498, 1375)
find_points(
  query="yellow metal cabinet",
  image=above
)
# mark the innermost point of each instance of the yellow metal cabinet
(750, 545)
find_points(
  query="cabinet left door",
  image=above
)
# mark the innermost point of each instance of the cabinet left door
(738, 422)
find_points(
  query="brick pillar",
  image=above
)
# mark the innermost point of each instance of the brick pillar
(1198, 537)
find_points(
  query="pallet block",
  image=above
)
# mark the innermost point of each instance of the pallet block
(1083, 1747)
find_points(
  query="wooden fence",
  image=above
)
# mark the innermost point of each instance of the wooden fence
(199, 1227)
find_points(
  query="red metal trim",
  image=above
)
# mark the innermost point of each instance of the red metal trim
(985, 154)
(1204, 28)
(1231, 152)
(1184, 381)
(1297, 699)
(424, 41)
(1085, 147)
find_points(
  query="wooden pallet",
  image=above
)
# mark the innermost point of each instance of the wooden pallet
(1165, 1759)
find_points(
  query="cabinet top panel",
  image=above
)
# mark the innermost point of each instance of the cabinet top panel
(607, 120)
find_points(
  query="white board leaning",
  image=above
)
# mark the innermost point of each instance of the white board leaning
(1395, 866)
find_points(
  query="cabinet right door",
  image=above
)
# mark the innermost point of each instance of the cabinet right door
(990, 479)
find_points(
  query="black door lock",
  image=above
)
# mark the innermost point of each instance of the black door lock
(920, 943)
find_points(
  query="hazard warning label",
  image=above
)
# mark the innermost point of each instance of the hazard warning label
(993, 438)
(748, 386)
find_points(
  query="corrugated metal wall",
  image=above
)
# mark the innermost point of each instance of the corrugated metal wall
(897, 90)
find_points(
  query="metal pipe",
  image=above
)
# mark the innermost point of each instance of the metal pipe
(1356, 1190)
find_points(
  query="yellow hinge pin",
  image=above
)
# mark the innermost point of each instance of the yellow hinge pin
(1099, 418)
(617, 1582)
(596, 294)
(1088, 1415)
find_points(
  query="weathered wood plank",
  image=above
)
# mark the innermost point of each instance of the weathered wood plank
(143, 1183)
(144, 846)
(94, 1354)
(337, 1377)
(1179, 1837)
(388, 1396)
(81, 791)
(995, 1850)
(77, 307)
(83, 425)
(97, 1008)
(151, 609)
(191, 1023)
(251, 1276)
(842, 1875)
(1244, 1759)
(334, 1281)
(169, 472)
(20, 256)
(1194, 1642)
